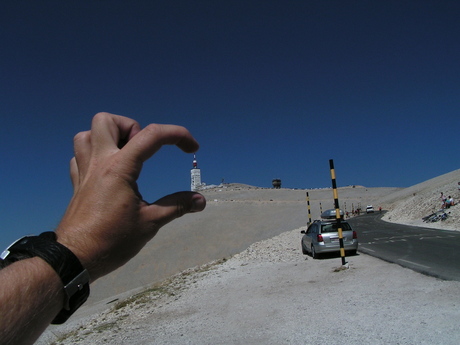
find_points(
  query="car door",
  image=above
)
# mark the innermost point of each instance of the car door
(307, 239)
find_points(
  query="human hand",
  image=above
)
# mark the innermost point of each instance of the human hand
(107, 221)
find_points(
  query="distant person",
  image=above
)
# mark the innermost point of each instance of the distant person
(106, 223)
(443, 200)
(449, 202)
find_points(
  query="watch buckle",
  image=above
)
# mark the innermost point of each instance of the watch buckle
(75, 285)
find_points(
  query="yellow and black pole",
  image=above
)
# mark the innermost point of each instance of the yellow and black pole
(337, 211)
(309, 211)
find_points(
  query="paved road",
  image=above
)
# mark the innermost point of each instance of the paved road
(430, 251)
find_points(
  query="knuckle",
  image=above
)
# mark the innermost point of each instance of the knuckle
(100, 118)
(81, 136)
(101, 115)
(180, 209)
(153, 129)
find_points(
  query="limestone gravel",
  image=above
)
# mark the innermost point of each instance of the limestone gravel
(272, 294)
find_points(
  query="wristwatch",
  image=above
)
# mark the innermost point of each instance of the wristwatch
(74, 276)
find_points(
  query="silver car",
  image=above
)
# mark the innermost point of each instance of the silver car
(323, 237)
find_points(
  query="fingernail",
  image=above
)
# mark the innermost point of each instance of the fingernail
(198, 203)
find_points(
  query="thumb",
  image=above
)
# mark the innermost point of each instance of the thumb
(173, 206)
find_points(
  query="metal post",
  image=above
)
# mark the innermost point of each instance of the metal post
(337, 211)
(309, 211)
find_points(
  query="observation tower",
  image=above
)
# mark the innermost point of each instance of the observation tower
(195, 175)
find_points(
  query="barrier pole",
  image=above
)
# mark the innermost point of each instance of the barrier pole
(337, 211)
(309, 211)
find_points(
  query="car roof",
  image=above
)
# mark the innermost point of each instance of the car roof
(330, 214)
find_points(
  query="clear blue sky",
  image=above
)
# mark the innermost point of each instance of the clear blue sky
(270, 89)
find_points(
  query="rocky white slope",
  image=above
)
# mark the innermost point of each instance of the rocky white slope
(270, 293)
(410, 205)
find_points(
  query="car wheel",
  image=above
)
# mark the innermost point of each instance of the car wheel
(304, 250)
(314, 254)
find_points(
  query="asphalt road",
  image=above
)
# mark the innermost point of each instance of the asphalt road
(429, 251)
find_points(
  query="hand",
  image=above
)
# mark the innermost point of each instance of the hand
(107, 221)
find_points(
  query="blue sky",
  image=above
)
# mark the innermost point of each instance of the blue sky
(270, 89)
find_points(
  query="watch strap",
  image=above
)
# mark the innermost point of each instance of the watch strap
(74, 276)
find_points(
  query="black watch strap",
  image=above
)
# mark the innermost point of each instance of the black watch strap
(73, 275)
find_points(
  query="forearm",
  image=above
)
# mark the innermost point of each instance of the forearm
(31, 296)
(106, 224)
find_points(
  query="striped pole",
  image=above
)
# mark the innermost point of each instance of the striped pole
(337, 211)
(320, 208)
(309, 211)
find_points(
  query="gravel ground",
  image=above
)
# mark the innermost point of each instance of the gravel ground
(235, 217)
(272, 294)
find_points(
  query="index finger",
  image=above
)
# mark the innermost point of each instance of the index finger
(150, 139)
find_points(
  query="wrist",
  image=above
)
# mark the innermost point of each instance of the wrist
(74, 276)
(78, 247)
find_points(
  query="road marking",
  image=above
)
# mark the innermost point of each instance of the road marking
(405, 238)
(413, 263)
(367, 249)
(436, 236)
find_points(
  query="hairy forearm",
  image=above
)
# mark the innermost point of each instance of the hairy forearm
(31, 295)
(106, 224)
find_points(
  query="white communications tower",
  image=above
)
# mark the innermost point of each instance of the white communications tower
(195, 175)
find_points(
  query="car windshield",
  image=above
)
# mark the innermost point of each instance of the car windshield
(332, 227)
